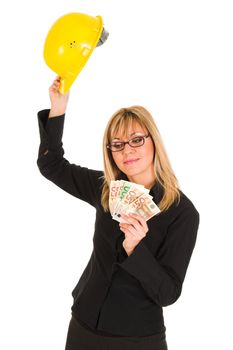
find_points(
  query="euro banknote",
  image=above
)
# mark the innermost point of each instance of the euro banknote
(126, 196)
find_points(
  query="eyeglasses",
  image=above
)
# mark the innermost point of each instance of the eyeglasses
(137, 141)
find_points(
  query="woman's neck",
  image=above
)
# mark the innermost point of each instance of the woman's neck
(147, 183)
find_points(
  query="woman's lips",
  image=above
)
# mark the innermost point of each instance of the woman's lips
(131, 161)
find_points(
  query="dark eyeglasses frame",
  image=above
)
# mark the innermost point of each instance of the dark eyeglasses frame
(125, 142)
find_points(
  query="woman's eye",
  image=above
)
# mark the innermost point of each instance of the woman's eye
(137, 140)
(117, 145)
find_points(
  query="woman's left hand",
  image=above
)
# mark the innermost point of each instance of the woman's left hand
(135, 230)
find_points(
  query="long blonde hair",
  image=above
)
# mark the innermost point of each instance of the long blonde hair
(119, 122)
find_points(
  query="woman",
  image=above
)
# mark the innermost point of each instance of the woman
(137, 267)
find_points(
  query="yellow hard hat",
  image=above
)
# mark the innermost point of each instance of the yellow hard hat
(69, 44)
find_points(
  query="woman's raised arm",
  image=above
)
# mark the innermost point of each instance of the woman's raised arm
(81, 182)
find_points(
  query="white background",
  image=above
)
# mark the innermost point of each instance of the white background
(173, 57)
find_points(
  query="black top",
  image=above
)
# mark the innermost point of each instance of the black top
(118, 294)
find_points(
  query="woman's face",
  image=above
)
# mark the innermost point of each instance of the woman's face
(138, 162)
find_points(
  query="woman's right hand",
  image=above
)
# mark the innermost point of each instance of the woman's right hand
(58, 100)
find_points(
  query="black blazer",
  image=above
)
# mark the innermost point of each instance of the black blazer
(116, 293)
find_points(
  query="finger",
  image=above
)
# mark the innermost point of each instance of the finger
(130, 232)
(56, 84)
(126, 232)
(136, 232)
(139, 218)
(132, 220)
(53, 89)
(135, 227)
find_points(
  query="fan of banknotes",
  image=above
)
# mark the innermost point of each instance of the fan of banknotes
(129, 197)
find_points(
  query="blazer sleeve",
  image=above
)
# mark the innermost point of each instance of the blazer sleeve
(162, 276)
(81, 182)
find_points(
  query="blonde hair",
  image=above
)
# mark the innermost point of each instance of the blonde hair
(120, 122)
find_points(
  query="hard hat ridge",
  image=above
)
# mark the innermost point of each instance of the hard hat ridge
(103, 37)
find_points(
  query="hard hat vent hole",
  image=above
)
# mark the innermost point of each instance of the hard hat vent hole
(73, 44)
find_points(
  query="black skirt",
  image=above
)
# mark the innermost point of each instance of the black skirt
(80, 338)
